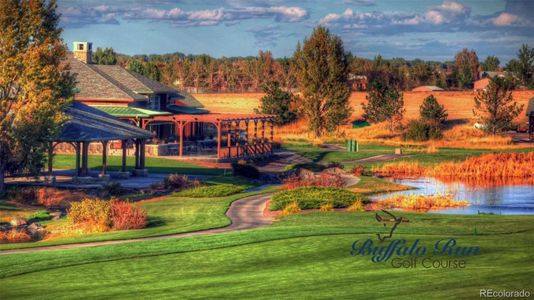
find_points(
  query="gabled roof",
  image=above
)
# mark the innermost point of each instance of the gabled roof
(427, 88)
(115, 83)
(90, 124)
(130, 111)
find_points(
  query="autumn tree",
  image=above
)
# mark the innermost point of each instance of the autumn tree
(466, 67)
(433, 112)
(35, 84)
(277, 102)
(491, 63)
(104, 56)
(495, 107)
(523, 66)
(384, 103)
(321, 71)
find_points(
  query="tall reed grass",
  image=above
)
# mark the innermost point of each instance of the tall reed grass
(418, 202)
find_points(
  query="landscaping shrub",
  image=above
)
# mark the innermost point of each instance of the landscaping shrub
(52, 197)
(219, 190)
(176, 182)
(323, 180)
(245, 170)
(356, 206)
(39, 216)
(93, 214)
(399, 169)
(334, 164)
(421, 131)
(313, 198)
(326, 207)
(96, 215)
(125, 215)
(22, 195)
(418, 202)
(112, 189)
(291, 208)
(14, 236)
(358, 170)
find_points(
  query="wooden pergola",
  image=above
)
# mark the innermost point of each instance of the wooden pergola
(257, 143)
(88, 125)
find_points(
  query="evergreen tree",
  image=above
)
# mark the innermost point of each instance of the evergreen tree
(136, 66)
(495, 107)
(433, 112)
(277, 102)
(321, 69)
(104, 57)
(491, 63)
(524, 67)
(35, 85)
(384, 103)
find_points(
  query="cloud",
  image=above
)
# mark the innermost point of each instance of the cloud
(361, 2)
(103, 14)
(267, 36)
(505, 19)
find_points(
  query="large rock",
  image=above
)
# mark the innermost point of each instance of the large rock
(18, 221)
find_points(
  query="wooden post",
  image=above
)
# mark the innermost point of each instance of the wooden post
(78, 150)
(237, 138)
(137, 150)
(218, 140)
(142, 155)
(181, 147)
(123, 166)
(104, 157)
(247, 138)
(272, 135)
(50, 158)
(85, 159)
(229, 139)
(262, 136)
(255, 136)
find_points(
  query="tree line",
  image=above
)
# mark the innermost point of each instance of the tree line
(203, 73)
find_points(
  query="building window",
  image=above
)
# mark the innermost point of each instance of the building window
(154, 102)
(80, 46)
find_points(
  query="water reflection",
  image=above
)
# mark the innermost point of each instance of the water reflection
(498, 199)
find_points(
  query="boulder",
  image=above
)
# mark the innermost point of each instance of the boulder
(18, 221)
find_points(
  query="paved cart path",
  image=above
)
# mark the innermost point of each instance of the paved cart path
(246, 213)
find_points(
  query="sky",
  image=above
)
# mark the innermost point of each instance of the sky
(425, 29)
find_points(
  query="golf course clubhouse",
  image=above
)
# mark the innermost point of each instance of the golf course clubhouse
(179, 124)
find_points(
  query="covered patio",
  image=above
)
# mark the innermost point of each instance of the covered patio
(190, 133)
(88, 125)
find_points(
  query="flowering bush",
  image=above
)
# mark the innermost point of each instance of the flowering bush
(125, 215)
(291, 208)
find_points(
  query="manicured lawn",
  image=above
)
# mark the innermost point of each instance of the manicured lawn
(305, 256)
(322, 155)
(154, 164)
(168, 216)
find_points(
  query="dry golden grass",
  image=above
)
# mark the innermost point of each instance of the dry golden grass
(494, 168)
(458, 104)
(417, 202)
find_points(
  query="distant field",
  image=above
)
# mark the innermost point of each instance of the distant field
(459, 104)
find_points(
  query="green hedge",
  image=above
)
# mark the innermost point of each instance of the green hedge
(314, 197)
(219, 190)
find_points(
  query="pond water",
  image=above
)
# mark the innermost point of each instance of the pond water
(503, 199)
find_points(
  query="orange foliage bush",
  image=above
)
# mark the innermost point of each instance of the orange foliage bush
(323, 180)
(93, 214)
(125, 215)
(418, 202)
(14, 236)
(358, 170)
(51, 197)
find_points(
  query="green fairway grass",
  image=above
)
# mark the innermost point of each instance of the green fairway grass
(170, 215)
(154, 164)
(305, 256)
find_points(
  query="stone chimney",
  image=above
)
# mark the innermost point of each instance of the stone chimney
(82, 51)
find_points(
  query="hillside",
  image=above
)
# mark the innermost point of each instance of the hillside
(459, 104)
